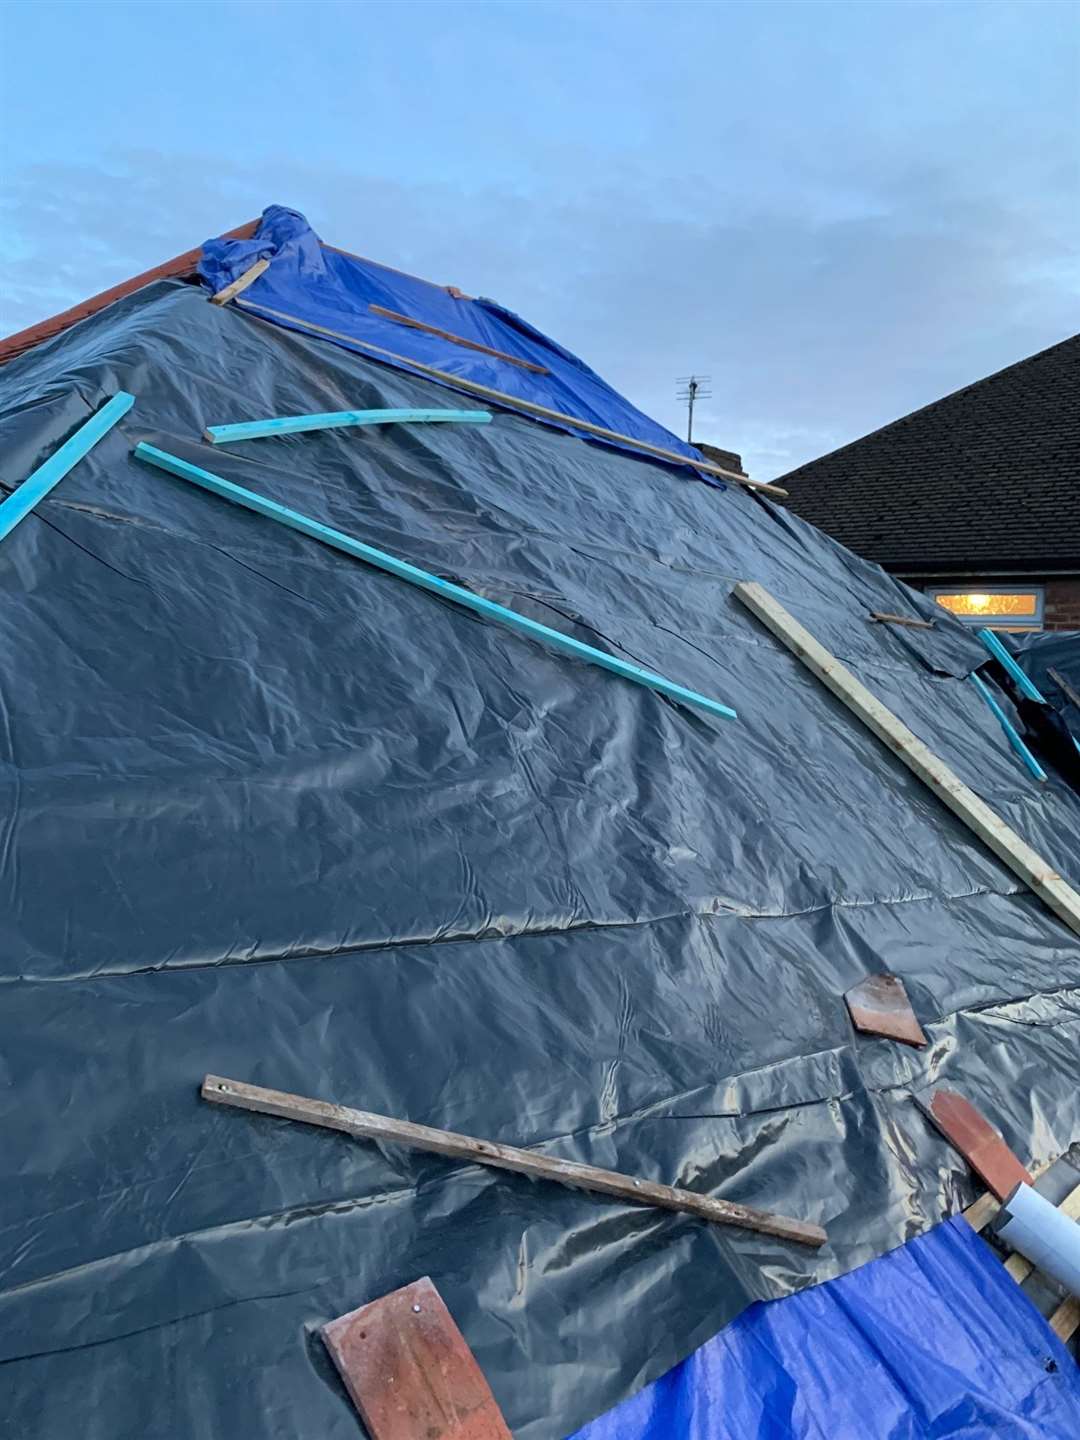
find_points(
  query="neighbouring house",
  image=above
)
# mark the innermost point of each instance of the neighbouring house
(974, 499)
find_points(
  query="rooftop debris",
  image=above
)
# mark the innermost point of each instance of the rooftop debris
(367, 1126)
(975, 1138)
(410, 1373)
(879, 1005)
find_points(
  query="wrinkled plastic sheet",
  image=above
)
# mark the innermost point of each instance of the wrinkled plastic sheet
(309, 284)
(1039, 652)
(934, 1341)
(1050, 726)
(272, 814)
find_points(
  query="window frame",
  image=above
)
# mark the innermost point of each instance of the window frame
(992, 619)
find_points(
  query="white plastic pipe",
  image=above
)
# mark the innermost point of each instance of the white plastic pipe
(1049, 1239)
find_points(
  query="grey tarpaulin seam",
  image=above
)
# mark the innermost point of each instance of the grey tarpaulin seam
(723, 912)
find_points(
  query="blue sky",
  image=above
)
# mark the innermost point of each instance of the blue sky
(839, 211)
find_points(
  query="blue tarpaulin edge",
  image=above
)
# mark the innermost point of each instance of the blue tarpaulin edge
(933, 1341)
(310, 284)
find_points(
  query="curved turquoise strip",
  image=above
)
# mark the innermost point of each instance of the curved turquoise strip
(338, 419)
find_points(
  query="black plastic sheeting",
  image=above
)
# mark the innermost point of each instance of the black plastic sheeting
(1050, 727)
(1048, 658)
(272, 814)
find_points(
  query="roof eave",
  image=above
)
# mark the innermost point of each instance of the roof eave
(178, 266)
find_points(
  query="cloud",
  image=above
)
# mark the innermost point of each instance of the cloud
(818, 319)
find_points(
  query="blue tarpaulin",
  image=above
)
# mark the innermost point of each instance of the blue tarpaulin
(933, 1341)
(313, 288)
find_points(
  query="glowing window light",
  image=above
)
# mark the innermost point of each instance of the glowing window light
(980, 604)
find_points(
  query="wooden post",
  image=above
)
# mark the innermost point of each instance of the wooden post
(367, 1126)
(1055, 892)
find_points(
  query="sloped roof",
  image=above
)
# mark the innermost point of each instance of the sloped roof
(987, 478)
(274, 815)
(184, 264)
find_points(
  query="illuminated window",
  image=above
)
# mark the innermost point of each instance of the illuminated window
(998, 608)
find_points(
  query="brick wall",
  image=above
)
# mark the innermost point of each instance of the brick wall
(726, 459)
(1062, 604)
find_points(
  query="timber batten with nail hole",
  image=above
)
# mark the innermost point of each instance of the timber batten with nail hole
(364, 1125)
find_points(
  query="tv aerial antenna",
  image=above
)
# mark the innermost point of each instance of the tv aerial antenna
(692, 388)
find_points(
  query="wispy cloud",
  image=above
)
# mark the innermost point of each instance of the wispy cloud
(818, 319)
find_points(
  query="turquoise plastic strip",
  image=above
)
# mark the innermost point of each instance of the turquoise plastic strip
(1010, 729)
(36, 486)
(404, 571)
(999, 652)
(297, 424)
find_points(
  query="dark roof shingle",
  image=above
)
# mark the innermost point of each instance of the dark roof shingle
(986, 478)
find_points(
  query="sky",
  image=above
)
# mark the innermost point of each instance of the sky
(838, 211)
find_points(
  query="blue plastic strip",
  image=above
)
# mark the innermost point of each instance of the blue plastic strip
(1010, 729)
(36, 486)
(404, 571)
(934, 1341)
(297, 424)
(1002, 656)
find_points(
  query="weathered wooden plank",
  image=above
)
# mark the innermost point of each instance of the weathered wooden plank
(49, 474)
(1064, 686)
(1055, 892)
(884, 617)
(1065, 1321)
(241, 282)
(367, 1126)
(338, 420)
(514, 402)
(409, 1371)
(555, 639)
(408, 320)
(981, 1211)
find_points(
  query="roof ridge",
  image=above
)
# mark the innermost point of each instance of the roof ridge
(931, 405)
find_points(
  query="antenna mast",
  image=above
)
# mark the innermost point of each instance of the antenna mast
(694, 387)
